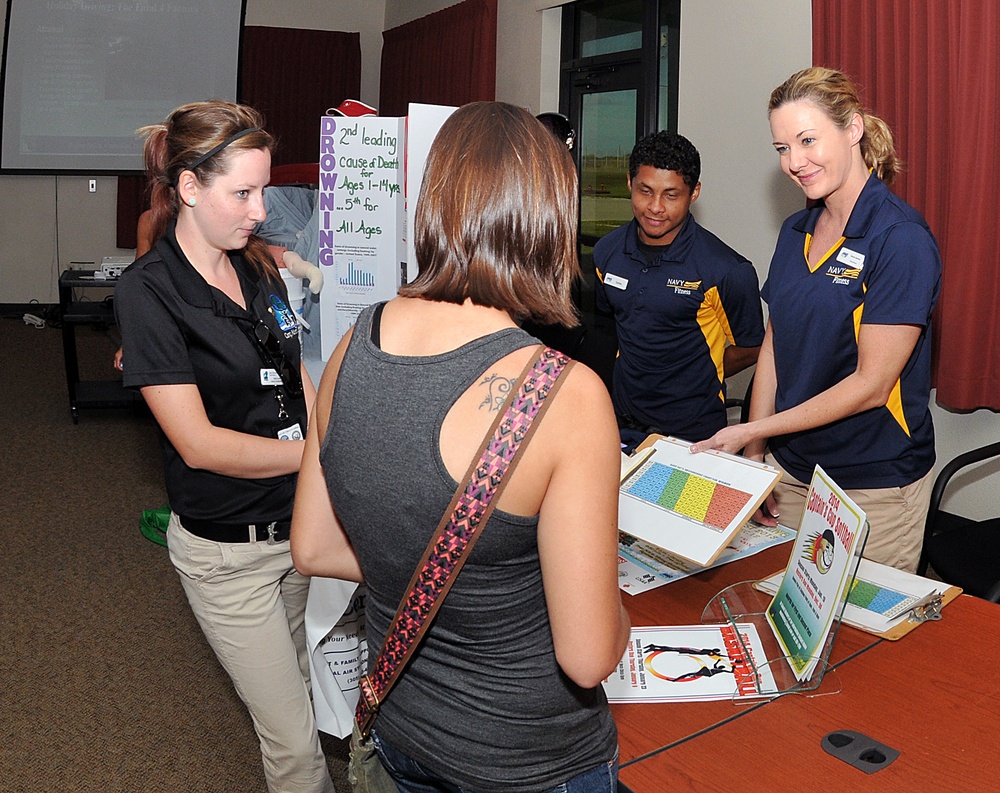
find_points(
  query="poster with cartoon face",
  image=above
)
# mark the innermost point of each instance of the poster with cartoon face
(818, 575)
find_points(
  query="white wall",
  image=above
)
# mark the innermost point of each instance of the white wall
(732, 54)
(33, 254)
(974, 493)
(399, 12)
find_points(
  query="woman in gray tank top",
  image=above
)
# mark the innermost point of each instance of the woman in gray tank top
(504, 693)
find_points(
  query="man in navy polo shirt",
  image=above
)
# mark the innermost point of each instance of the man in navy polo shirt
(686, 306)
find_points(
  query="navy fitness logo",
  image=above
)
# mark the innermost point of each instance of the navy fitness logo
(682, 287)
(842, 275)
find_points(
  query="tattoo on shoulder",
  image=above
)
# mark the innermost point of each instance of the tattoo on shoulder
(497, 388)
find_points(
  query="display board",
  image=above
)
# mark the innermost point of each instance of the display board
(361, 218)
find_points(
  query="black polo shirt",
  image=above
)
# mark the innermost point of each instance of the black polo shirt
(177, 329)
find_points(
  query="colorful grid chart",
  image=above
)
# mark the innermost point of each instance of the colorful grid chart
(872, 597)
(689, 495)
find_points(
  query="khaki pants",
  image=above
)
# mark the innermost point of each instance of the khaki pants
(250, 603)
(896, 515)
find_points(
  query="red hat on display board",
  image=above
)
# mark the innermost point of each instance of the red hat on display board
(352, 108)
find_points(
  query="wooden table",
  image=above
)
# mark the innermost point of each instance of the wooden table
(933, 695)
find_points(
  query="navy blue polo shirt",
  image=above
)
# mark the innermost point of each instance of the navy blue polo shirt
(176, 329)
(886, 270)
(674, 316)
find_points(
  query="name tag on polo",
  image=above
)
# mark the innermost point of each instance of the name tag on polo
(616, 281)
(851, 258)
(270, 377)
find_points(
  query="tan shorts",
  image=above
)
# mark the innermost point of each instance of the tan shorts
(896, 515)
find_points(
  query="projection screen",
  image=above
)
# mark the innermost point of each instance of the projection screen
(80, 76)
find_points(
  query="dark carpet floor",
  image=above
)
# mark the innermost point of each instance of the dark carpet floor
(107, 682)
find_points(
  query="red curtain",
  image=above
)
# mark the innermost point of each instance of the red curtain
(292, 76)
(445, 58)
(132, 201)
(932, 70)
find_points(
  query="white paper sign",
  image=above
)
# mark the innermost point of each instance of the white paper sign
(423, 123)
(818, 573)
(361, 217)
(338, 653)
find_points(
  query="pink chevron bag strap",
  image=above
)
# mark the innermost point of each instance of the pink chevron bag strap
(469, 510)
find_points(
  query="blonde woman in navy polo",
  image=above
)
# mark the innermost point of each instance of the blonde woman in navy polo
(843, 378)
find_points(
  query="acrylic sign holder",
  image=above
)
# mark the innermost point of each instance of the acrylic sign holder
(745, 603)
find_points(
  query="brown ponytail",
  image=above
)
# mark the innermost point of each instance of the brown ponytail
(182, 142)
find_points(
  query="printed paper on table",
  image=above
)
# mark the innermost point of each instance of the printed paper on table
(692, 504)
(690, 662)
(818, 573)
(643, 566)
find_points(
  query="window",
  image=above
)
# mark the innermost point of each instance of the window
(618, 82)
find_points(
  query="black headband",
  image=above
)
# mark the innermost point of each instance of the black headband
(215, 150)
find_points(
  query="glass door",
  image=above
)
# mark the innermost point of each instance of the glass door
(607, 132)
(606, 109)
(618, 83)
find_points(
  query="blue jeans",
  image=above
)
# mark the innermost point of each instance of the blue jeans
(411, 777)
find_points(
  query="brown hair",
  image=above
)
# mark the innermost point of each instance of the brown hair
(496, 216)
(837, 96)
(182, 142)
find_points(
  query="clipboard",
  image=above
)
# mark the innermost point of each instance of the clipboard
(921, 613)
(690, 505)
(926, 609)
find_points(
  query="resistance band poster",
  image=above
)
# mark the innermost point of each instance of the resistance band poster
(691, 662)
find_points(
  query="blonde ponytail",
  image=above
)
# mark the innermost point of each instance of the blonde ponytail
(837, 96)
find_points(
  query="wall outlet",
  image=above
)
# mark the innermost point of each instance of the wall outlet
(92, 186)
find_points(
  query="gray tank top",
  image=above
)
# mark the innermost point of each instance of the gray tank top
(483, 702)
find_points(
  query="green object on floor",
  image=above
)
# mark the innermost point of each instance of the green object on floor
(153, 524)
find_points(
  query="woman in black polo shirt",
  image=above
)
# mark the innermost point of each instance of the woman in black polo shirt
(214, 349)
